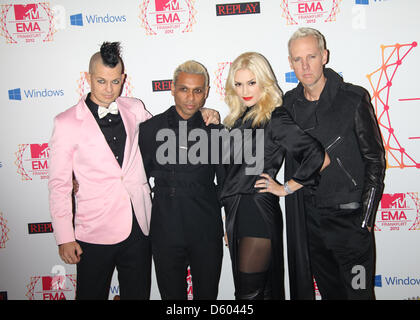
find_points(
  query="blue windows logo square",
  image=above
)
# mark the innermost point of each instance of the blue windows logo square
(366, 2)
(291, 77)
(14, 94)
(378, 281)
(76, 20)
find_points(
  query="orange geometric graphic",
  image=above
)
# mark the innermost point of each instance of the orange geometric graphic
(334, 11)
(3, 28)
(83, 86)
(414, 196)
(143, 18)
(381, 82)
(219, 81)
(286, 13)
(19, 162)
(31, 287)
(4, 230)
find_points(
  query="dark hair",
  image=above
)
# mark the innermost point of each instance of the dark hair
(110, 53)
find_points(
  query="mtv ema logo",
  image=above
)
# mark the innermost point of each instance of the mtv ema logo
(27, 23)
(32, 160)
(59, 286)
(309, 11)
(399, 211)
(3, 231)
(84, 88)
(167, 16)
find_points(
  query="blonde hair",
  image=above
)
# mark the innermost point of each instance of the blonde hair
(305, 32)
(271, 96)
(193, 67)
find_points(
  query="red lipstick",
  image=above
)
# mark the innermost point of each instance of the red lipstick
(247, 98)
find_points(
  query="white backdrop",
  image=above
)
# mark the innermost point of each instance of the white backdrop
(45, 49)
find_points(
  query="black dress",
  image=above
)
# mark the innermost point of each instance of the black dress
(280, 135)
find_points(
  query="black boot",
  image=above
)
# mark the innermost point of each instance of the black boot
(251, 286)
(267, 292)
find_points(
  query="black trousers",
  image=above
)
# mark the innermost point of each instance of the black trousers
(131, 257)
(171, 262)
(341, 253)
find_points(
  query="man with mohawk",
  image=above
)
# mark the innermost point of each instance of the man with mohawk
(97, 140)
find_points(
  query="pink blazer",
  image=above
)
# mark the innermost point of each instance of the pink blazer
(103, 210)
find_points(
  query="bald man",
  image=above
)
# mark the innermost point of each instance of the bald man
(97, 140)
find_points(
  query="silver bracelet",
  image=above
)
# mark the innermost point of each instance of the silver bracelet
(287, 188)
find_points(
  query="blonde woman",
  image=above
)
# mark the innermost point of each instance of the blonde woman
(253, 215)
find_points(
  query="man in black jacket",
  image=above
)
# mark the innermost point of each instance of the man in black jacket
(186, 226)
(329, 228)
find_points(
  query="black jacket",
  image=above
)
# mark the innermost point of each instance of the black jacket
(186, 199)
(344, 122)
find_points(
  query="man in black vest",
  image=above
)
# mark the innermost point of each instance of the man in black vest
(186, 226)
(337, 216)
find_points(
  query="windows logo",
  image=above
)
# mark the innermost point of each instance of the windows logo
(14, 94)
(366, 2)
(378, 280)
(291, 77)
(76, 20)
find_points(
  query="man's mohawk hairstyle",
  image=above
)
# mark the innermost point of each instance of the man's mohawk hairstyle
(110, 53)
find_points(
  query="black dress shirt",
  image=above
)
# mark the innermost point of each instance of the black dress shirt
(112, 126)
(185, 205)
